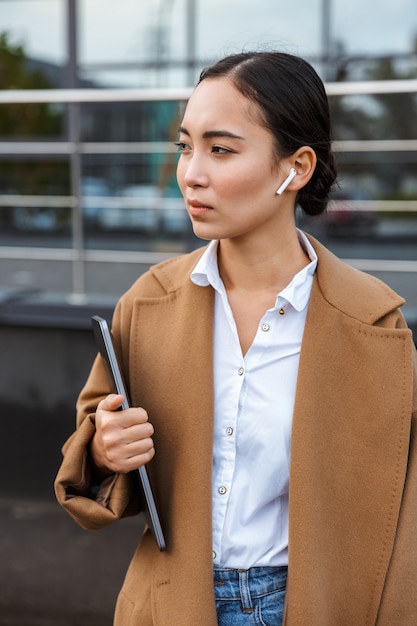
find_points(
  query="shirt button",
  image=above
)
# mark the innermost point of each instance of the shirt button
(240, 371)
(222, 490)
(281, 311)
(214, 555)
(229, 430)
(265, 327)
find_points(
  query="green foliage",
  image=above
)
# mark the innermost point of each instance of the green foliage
(24, 120)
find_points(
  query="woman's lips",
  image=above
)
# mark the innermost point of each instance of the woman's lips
(197, 208)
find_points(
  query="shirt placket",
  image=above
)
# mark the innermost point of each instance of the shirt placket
(227, 425)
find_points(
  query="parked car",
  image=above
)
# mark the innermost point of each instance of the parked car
(136, 208)
(93, 189)
(34, 219)
(174, 218)
(346, 218)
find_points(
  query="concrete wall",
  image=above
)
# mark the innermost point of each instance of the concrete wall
(46, 351)
(52, 573)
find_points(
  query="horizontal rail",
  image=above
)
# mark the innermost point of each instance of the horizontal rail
(162, 203)
(106, 202)
(370, 87)
(383, 206)
(99, 147)
(163, 147)
(41, 202)
(376, 145)
(15, 96)
(148, 257)
(65, 96)
(383, 265)
(96, 256)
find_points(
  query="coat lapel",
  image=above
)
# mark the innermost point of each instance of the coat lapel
(172, 362)
(348, 465)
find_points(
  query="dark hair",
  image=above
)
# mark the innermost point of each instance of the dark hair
(294, 107)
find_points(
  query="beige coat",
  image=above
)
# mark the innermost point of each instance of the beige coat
(353, 473)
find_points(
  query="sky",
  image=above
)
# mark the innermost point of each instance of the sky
(121, 30)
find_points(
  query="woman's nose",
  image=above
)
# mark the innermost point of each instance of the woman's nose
(195, 174)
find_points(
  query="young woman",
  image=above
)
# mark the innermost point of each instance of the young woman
(276, 386)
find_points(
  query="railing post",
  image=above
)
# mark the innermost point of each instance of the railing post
(78, 264)
(191, 17)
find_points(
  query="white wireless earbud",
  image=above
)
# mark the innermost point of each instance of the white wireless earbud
(287, 181)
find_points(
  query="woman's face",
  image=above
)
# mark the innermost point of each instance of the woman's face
(227, 171)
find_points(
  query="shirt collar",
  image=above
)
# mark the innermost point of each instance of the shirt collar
(206, 272)
(296, 293)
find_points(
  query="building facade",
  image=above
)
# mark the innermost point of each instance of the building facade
(74, 170)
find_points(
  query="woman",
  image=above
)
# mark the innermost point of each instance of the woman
(277, 388)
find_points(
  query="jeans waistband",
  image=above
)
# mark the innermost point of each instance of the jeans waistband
(255, 582)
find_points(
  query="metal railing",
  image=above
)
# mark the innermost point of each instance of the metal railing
(74, 148)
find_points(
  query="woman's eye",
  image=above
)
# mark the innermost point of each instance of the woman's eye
(220, 150)
(181, 146)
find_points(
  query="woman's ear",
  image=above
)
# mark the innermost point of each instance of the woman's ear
(304, 162)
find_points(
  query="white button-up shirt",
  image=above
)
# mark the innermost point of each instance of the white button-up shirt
(254, 400)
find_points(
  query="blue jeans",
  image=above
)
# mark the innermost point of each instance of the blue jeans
(250, 597)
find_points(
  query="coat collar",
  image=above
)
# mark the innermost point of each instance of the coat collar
(342, 286)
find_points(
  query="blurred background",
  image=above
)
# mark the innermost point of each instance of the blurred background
(91, 92)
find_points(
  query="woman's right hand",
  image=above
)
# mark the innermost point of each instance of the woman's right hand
(123, 438)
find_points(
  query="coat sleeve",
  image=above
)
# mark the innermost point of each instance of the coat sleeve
(399, 601)
(91, 502)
